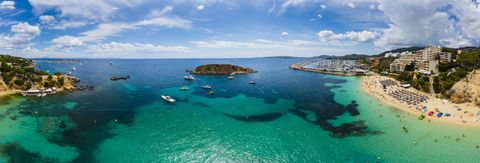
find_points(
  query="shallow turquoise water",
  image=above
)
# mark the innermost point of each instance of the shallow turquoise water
(288, 116)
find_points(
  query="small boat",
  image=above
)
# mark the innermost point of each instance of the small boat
(73, 69)
(421, 117)
(211, 92)
(232, 61)
(233, 74)
(48, 71)
(68, 73)
(189, 78)
(167, 98)
(207, 87)
(80, 64)
(230, 77)
(43, 95)
(39, 95)
(431, 113)
(185, 88)
(111, 63)
(405, 129)
(253, 82)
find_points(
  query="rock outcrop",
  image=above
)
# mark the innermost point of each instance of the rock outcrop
(466, 90)
(220, 69)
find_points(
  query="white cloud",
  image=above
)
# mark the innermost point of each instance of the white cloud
(116, 48)
(23, 33)
(46, 19)
(319, 15)
(351, 5)
(7, 5)
(158, 13)
(206, 30)
(230, 44)
(104, 30)
(323, 6)
(372, 7)
(267, 41)
(200, 7)
(65, 42)
(33, 50)
(329, 37)
(84, 9)
(301, 42)
(50, 23)
(284, 33)
(6, 22)
(419, 24)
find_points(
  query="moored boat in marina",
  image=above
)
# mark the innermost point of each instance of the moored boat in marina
(185, 88)
(206, 87)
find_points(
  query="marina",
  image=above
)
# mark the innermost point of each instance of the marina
(335, 67)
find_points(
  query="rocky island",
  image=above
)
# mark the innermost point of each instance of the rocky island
(220, 69)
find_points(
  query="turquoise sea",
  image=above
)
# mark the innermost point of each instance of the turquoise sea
(288, 116)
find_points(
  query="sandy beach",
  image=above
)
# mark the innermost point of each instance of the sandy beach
(372, 87)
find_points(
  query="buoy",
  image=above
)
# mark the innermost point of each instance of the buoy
(414, 142)
(380, 115)
(60, 121)
(115, 120)
(278, 128)
(193, 114)
(36, 112)
(95, 121)
(379, 158)
(385, 125)
(160, 114)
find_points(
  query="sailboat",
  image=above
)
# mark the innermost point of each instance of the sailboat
(73, 69)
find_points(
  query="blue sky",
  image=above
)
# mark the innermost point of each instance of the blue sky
(231, 28)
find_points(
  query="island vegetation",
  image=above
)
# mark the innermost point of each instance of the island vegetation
(19, 74)
(220, 69)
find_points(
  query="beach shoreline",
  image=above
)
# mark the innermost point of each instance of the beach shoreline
(374, 89)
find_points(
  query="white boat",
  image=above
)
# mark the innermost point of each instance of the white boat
(184, 88)
(233, 74)
(73, 69)
(68, 73)
(232, 61)
(111, 63)
(189, 78)
(167, 98)
(253, 82)
(230, 77)
(39, 95)
(43, 95)
(80, 64)
(85, 61)
(48, 71)
(207, 87)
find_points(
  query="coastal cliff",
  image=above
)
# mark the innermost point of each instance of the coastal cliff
(220, 69)
(18, 75)
(466, 89)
